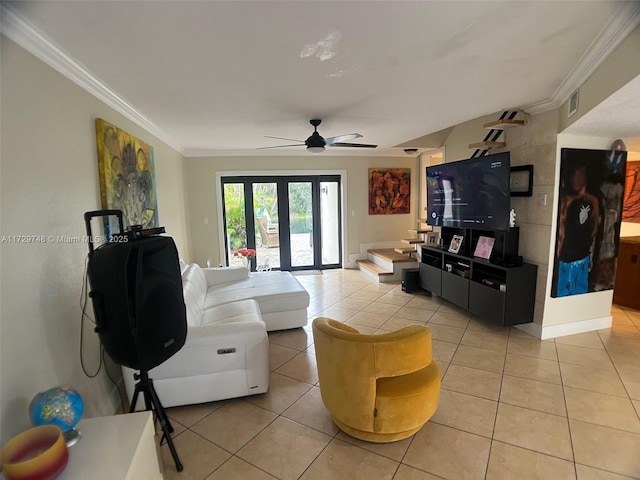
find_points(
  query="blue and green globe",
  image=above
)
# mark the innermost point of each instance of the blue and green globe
(58, 406)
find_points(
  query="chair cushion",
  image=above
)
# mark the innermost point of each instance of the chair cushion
(274, 292)
(397, 399)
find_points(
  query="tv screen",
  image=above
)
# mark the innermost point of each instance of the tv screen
(471, 193)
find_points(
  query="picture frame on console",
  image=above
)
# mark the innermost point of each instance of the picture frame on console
(433, 239)
(456, 243)
(484, 247)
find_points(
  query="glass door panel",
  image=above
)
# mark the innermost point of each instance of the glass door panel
(267, 225)
(330, 222)
(293, 222)
(235, 220)
(301, 224)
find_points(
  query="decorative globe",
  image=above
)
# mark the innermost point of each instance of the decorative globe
(58, 406)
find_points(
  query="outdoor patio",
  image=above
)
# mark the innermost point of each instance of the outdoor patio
(269, 257)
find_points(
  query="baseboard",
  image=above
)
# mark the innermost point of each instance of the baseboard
(553, 331)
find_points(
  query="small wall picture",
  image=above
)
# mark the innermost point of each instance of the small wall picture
(433, 239)
(484, 247)
(456, 243)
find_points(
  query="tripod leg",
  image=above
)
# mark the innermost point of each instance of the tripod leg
(165, 425)
(152, 403)
(134, 400)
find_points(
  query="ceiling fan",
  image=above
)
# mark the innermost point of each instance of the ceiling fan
(316, 143)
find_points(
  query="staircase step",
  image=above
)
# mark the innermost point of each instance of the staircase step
(412, 241)
(419, 232)
(372, 267)
(390, 255)
(405, 250)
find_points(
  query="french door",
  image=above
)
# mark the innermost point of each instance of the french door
(292, 222)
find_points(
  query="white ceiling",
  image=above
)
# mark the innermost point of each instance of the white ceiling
(215, 77)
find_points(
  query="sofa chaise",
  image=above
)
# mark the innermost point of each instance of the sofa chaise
(282, 300)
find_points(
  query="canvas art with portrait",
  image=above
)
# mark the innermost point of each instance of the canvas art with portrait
(127, 177)
(589, 217)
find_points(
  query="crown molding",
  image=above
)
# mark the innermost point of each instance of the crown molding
(626, 19)
(16, 28)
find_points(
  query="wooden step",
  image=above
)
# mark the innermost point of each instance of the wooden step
(420, 231)
(405, 250)
(372, 267)
(412, 241)
(503, 124)
(390, 255)
(487, 145)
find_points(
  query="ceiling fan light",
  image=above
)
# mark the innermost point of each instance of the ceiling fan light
(316, 149)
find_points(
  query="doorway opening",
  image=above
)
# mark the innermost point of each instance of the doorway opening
(292, 222)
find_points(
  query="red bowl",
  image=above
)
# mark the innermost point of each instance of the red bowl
(39, 453)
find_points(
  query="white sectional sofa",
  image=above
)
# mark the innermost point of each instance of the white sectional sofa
(226, 353)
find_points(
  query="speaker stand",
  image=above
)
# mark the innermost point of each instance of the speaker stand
(152, 402)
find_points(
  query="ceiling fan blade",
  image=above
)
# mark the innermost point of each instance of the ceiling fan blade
(357, 145)
(282, 138)
(281, 146)
(342, 138)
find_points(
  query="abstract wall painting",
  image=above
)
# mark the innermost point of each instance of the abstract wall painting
(127, 177)
(389, 191)
(631, 210)
(589, 216)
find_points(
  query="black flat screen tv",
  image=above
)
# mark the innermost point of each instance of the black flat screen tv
(471, 193)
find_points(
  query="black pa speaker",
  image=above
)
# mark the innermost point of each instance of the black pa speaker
(136, 290)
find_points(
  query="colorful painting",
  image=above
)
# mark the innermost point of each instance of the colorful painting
(127, 177)
(589, 218)
(631, 210)
(389, 191)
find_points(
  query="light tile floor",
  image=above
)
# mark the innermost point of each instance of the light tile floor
(512, 406)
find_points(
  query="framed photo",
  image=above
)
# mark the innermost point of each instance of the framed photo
(433, 239)
(484, 247)
(521, 181)
(456, 243)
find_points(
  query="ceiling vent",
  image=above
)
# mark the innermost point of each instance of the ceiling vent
(573, 104)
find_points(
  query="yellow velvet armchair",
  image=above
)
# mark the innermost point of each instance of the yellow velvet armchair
(378, 388)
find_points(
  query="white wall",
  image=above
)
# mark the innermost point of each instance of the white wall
(49, 178)
(360, 227)
(462, 135)
(535, 144)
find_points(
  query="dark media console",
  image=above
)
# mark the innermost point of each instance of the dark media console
(501, 289)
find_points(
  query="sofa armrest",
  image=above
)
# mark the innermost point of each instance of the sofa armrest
(217, 276)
